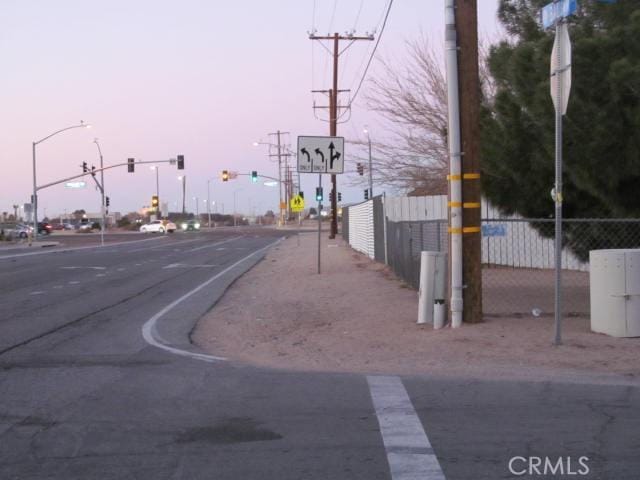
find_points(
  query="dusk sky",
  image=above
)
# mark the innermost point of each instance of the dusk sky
(203, 78)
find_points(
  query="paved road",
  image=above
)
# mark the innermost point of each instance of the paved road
(98, 380)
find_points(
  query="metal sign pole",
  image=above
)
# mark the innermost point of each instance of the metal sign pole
(319, 219)
(560, 72)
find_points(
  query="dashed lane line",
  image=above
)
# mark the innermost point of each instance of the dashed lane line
(73, 249)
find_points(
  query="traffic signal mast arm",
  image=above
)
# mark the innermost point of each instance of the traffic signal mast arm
(263, 176)
(124, 164)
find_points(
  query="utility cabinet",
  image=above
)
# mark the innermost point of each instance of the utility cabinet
(615, 292)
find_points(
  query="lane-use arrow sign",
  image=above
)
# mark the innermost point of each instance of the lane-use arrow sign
(320, 154)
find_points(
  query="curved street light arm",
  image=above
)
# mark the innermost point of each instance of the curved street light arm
(80, 125)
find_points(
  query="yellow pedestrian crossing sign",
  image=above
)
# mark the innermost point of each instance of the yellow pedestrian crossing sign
(297, 204)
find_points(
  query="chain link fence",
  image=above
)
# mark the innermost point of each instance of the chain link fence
(405, 241)
(518, 257)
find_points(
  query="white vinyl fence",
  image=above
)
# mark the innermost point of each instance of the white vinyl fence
(361, 233)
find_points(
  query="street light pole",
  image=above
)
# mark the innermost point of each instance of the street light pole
(370, 165)
(34, 200)
(102, 209)
(209, 201)
(235, 216)
(157, 169)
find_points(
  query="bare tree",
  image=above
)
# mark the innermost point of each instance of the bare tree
(412, 156)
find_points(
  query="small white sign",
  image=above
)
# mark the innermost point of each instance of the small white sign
(321, 155)
(78, 184)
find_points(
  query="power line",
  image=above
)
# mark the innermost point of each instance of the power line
(384, 23)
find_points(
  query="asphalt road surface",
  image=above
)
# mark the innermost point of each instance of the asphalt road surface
(98, 380)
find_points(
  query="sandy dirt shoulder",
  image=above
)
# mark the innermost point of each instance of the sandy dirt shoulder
(358, 317)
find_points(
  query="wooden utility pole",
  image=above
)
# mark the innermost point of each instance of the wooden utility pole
(469, 84)
(333, 114)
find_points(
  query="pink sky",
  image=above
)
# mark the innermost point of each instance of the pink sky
(157, 78)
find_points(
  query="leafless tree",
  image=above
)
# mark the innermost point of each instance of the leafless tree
(412, 155)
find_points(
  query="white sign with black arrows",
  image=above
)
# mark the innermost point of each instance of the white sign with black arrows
(321, 154)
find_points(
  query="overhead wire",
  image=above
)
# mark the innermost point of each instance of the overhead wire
(375, 47)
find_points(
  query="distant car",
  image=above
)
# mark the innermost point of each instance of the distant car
(170, 226)
(190, 225)
(22, 231)
(45, 228)
(57, 226)
(69, 226)
(85, 227)
(154, 227)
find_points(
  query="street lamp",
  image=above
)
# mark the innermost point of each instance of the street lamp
(183, 179)
(370, 163)
(235, 216)
(34, 200)
(279, 155)
(197, 208)
(95, 140)
(157, 169)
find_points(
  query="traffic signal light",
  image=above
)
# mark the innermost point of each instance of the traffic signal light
(225, 175)
(93, 170)
(106, 201)
(131, 166)
(331, 196)
(254, 176)
(154, 201)
(301, 194)
(366, 194)
(180, 162)
(84, 167)
(360, 169)
(339, 196)
(319, 194)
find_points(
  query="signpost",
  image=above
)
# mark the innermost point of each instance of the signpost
(320, 155)
(554, 14)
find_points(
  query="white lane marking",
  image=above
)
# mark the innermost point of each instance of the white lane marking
(57, 287)
(74, 282)
(138, 264)
(186, 265)
(73, 249)
(101, 274)
(181, 242)
(120, 269)
(37, 292)
(409, 451)
(149, 330)
(86, 268)
(214, 244)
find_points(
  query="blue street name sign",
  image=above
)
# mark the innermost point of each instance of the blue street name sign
(499, 230)
(555, 10)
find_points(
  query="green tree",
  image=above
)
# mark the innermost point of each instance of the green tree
(601, 129)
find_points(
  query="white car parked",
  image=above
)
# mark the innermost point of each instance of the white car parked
(158, 226)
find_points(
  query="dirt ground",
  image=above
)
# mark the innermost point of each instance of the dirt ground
(358, 317)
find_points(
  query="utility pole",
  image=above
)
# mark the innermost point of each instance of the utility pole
(469, 87)
(333, 112)
(280, 155)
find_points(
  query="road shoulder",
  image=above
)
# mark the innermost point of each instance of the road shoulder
(358, 317)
